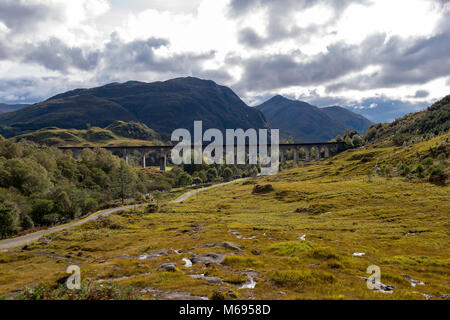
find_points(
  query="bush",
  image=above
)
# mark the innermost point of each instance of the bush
(152, 208)
(427, 162)
(184, 179)
(41, 208)
(227, 174)
(211, 174)
(262, 189)
(357, 141)
(9, 218)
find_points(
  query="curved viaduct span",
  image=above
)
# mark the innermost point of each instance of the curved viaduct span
(322, 149)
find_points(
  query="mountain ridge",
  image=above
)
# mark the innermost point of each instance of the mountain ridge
(180, 100)
(307, 123)
(4, 107)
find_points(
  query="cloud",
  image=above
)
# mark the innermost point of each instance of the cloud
(421, 94)
(402, 62)
(283, 70)
(20, 15)
(56, 55)
(282, 21)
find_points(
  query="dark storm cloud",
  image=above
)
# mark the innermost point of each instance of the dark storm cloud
(18, 15)
(399, 62)
(56, 55)
(278, 71)
(404, 62)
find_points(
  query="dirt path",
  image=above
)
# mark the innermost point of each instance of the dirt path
(28, 238)
(193, 192)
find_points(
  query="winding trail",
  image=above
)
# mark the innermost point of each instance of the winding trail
(28, 238)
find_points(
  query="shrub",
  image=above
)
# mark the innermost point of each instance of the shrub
(427, 162)
(211, 174)
(323, 253)
(227, 174)
(9, 218)
(184, 179)
(41, 208)
(262, 189)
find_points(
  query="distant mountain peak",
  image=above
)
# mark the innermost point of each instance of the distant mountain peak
(308, 123)
(162, 106)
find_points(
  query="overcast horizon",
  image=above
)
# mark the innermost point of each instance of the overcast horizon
(379, 58)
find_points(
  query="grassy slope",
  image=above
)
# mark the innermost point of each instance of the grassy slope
(73, 137)
(402, 227)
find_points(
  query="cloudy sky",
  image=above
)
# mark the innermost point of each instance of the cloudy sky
(382, 58)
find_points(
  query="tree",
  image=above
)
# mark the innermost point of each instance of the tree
(9, 218)
(41, 208)
(357, 141)
(123, 180)
(184, 179)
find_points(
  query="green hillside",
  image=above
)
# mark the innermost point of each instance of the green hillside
(118, 133)
(413, 127)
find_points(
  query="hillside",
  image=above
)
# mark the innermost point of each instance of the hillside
(118, 133)
(413, 127)
(162, 106)
(307, 123)
(4, 108)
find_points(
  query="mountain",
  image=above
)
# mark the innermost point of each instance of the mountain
(349, 119)
(308, 123)
(162, 106)
(414, 127)
(4, 108)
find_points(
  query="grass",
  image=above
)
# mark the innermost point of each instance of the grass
(400, 225)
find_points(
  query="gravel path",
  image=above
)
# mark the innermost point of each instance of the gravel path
(28, 238)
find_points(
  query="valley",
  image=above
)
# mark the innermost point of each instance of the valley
(311, 236)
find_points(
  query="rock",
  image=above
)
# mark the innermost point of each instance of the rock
(170, 267)
(207, 279)
(256, 252)
(359, 254)
(152, 255)
(231, 246)
(187, 262)
(210, 258)
(414, 282)
(102, 261)
(231, 294)
(226, 245)
(262, 189)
